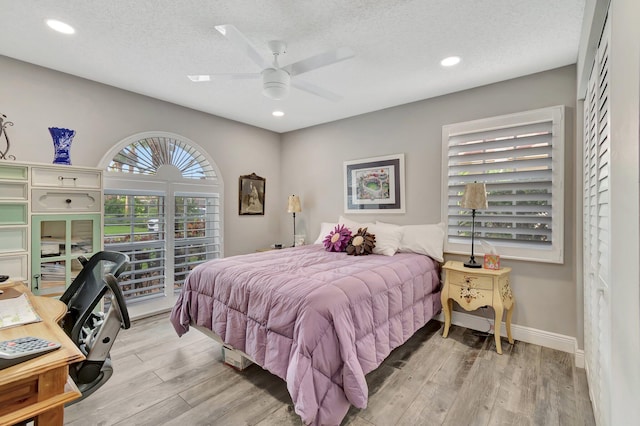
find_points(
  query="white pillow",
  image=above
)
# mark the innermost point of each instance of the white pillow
(423, 239)
(351, 224)
(388, 238)
(325, 228)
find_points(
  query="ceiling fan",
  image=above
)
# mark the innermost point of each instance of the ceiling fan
(277, 79)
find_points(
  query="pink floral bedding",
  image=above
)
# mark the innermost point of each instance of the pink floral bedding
(317, 319)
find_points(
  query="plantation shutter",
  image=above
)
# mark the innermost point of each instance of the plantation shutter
(163, 207)
(596, 241)
(197, 232)
(514, 157)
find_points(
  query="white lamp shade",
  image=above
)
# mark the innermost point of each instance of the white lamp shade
(474, 197)
(294, 204)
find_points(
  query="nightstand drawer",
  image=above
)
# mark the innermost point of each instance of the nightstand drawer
(475, 280)
(471, 298)
(56, 177)
(66, 201)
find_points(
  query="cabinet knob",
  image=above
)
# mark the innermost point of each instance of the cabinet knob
(68, 201)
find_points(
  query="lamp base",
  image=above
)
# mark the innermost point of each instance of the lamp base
(472, 264)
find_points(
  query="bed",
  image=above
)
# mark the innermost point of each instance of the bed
(319, 320)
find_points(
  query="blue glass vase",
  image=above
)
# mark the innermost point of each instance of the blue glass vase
(62, 139)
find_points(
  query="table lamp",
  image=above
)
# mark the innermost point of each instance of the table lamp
(294, 207)
(474, 197)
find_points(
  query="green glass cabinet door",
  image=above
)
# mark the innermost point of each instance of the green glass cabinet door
(57, 241)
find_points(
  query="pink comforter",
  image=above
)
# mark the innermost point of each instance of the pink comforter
(318, 320)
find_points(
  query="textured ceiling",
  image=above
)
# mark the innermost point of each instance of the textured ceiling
(149, 47)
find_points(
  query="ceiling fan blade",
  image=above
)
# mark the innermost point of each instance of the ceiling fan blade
(199, 78)
(242, 43)
(321, 60)
(315, 90)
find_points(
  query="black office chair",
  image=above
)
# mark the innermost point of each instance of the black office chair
(95, 332)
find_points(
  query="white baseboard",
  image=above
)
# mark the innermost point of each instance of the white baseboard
(547, 339)
(579, 357)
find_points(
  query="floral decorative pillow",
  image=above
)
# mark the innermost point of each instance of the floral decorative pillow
(338, 239)
(362, 243)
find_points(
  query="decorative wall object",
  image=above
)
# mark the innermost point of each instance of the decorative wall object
(3, 131)
(252, 191)
(62, 139)
(374, 185)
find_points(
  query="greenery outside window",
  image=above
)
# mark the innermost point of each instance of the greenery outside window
(163, 208)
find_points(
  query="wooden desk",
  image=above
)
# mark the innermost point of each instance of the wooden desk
(40, 387)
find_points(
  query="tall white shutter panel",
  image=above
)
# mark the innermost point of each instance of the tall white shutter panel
(590, 225)
(597, 256)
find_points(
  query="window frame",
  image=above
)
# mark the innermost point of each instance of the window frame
(167, 181)
(514, 249)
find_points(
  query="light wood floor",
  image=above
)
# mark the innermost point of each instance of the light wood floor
(160, 379)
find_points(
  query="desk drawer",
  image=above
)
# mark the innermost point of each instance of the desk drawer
(66, 201)
(14, 396)
(60, 178)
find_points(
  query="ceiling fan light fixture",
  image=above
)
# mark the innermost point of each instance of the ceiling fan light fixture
(275, 83)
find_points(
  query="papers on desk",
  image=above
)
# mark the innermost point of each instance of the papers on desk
(17, 311)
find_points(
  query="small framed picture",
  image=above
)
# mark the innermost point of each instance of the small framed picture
(252, 191)
(374, 185)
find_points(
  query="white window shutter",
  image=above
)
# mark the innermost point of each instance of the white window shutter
(520, 159)
(596, 239)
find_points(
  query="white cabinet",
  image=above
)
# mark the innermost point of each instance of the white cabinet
(33, 199)
(14, 220)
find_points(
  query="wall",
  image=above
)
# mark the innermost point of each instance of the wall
(307, 162)
(313, 160)
(35, 98)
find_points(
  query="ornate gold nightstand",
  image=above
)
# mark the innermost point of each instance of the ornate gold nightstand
(474, 288)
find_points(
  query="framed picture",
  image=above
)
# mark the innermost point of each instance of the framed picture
(251, 199)
(374, 185)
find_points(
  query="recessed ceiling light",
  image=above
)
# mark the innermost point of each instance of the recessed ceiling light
(198, 78)
(450, 61)
(60, 27)
(277, 113)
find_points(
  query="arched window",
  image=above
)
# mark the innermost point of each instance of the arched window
(162, 207)
(146, 156)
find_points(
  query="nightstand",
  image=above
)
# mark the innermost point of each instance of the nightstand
(473, 288)
(261, 249)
